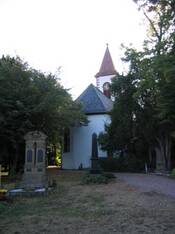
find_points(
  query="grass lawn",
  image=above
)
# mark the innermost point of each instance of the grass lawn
(75, 208)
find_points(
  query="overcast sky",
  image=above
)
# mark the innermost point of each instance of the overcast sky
(69, 33)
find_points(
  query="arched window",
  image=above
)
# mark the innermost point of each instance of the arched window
(106, 89)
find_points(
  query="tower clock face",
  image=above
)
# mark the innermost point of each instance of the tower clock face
(106, 86)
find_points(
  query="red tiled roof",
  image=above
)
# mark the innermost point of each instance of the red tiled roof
(107, 66)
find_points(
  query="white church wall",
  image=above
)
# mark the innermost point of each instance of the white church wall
(82, 142)
(103, 79)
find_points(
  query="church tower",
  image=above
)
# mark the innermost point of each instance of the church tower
(106, 73)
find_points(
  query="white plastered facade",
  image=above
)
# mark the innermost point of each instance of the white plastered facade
(81, 142)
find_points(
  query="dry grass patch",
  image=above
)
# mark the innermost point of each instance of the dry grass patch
(97, 209)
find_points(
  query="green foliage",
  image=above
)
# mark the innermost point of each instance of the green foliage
(144, 106)
(109, 175)
(94, 179)
(122, 115)
(161, 17)
(31, 100)
(173, 172)
(54, 154)
(102, 178)
(58, 158)
(122, 164)
(120, 131)
(3, 207)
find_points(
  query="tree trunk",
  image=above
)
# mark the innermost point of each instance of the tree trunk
(150, 154)
(163, 150)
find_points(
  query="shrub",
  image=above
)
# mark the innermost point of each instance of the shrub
(128, 163)
(173, 172)
(109, 175)
(2, 207)
(94, 179)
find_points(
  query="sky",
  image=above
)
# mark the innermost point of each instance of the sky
(71, 34)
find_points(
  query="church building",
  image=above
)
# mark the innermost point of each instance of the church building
(96, 104)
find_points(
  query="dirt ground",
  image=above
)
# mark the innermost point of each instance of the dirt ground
(73, 208)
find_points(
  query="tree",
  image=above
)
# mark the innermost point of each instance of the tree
(121, 132)
(151, 95)
(160, 51)
(161, 31)
(31, 100)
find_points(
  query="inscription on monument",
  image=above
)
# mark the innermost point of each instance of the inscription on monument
(40, 156)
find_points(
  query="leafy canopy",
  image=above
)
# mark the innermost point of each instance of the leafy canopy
(32, 100)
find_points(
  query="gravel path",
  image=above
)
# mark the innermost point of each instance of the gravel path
(149, 182)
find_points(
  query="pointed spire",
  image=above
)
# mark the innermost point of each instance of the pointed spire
(107, 66)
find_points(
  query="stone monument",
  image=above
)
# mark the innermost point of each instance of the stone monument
(35, 160)
(95, 167)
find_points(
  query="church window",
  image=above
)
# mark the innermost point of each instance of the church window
(106, 89)
(67, 140)
(106, 86)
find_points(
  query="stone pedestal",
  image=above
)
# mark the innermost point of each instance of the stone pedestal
(35, 160)
(95, 167)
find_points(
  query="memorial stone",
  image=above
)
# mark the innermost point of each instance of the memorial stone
(95, 167)
(35, 160)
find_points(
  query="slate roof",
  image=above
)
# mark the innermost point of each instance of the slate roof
(107, 66)
(94, 101)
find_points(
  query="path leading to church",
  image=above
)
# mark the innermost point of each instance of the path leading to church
(150, 183)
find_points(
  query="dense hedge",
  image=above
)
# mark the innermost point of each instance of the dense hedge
(122, 164)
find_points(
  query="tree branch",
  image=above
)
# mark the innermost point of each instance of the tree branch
(151, 23)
